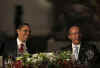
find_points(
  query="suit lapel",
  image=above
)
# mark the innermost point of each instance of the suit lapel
(15, 48)
(81, 52)
(81, 47)
(28, 46)
(68, 48)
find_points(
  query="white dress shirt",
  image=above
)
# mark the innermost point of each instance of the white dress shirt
(19, 44)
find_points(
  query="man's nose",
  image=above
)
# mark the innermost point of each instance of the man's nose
(76, 35)
(28, 33)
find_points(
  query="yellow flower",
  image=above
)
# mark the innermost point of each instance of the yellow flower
(19, 58)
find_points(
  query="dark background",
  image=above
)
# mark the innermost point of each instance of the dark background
(64, 14)
(81, 12)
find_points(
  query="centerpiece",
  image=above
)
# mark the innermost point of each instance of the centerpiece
(42, 60)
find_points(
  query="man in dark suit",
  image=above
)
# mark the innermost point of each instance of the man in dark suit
(3, 38)
(21, 44)
(82, 52)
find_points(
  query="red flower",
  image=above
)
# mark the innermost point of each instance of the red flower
(18, 64)
(65, 61)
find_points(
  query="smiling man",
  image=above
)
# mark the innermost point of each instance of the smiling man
(21, 44)
(23, 32)
(75, 35)
(82, 51)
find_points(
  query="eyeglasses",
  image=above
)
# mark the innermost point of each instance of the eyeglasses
(74, 33)
(26, 31)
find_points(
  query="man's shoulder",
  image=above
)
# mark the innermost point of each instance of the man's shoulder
(67, 47)
(10, 41)
(89, 47)
(88, 44)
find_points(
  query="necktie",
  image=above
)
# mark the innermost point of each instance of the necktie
(76, 52)
(21, 49)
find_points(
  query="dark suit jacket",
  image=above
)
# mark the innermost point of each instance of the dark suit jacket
(87, 54)
(1, 48)
(10, 48)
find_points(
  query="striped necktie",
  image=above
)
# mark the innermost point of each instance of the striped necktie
(76, 52)
(21, 49)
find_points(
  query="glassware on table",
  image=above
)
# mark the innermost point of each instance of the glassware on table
(8, 62)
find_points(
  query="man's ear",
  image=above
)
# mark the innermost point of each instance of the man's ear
(69, 37)
(80, 35)
(17, 30)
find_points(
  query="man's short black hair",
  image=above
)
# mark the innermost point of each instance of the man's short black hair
(68, 28)
(22, 24)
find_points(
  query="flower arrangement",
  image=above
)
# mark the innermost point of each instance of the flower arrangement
(65, 55)
(63, 58)
(36, 60)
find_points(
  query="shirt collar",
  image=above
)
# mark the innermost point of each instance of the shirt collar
(73, 45)
(19, 42)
